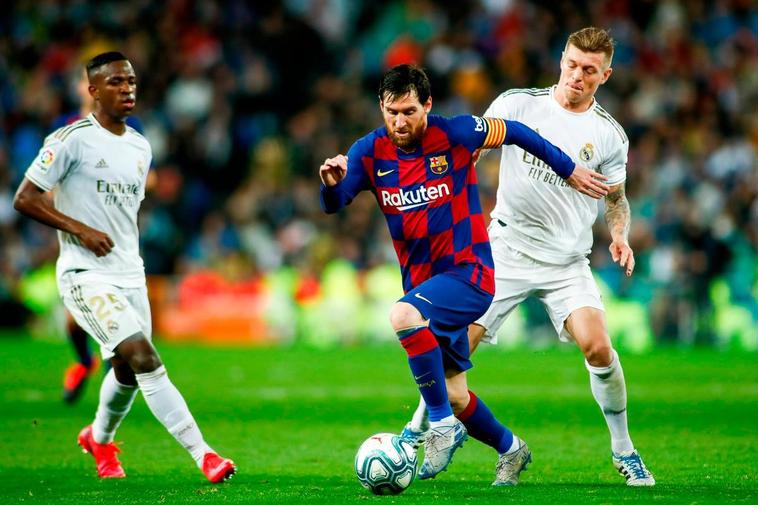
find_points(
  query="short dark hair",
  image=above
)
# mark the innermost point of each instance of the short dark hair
(403, 79)
(103, 59)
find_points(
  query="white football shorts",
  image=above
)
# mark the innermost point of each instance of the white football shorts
(108, 313)
(561, 288)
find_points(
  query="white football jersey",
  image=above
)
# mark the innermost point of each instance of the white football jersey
(100, 180)
(546, 218)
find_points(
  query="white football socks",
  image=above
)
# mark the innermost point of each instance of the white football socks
(515, 445)
(420, 420)
(169, 407)
(445, 421)
(115, 401)
(609, 389)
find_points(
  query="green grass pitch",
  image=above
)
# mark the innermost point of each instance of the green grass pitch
(292, 419)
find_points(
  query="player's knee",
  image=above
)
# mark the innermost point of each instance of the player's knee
(139, 353)
(123, 371)
(404, 315)
(145, 362)
(599, 354)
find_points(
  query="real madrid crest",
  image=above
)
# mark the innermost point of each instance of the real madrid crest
(587, 152)
(141, 168)
(438, 164)
(112, 326)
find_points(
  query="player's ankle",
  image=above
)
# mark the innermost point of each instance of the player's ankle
(445, 421)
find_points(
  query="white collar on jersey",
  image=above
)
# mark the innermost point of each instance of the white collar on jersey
(91, 117)
(555, 103)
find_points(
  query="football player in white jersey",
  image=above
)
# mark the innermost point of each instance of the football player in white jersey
(76, 375)
(541, 230)
(98, 166)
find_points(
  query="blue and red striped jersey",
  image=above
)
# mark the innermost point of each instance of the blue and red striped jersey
(429, 197)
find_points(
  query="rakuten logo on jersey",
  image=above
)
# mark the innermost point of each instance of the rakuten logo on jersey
(404, 200)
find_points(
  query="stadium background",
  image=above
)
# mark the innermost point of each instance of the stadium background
(241, 102)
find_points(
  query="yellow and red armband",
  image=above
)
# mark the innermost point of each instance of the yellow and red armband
(495, 132)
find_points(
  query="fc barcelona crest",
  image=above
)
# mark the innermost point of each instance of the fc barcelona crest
(438, 164)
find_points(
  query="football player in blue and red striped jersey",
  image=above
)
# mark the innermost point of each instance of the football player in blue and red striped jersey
(420, 168)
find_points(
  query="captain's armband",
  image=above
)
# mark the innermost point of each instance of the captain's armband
(496, 130)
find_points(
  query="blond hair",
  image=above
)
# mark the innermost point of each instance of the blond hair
(593, 40)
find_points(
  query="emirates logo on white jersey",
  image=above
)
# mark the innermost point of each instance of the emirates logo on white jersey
(405, 200)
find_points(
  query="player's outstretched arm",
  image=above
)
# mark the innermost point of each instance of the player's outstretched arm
(580, 178)
(31, 201)
(619, 217)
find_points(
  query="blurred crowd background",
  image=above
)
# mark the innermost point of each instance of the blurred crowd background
(242, 101)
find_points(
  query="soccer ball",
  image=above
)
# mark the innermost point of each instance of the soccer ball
(385, 464)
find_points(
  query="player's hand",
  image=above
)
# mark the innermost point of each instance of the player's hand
(333, 170)
(96, 241)
(623, 255)
(588, 182)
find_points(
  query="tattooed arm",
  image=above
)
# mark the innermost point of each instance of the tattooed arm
(619, 217)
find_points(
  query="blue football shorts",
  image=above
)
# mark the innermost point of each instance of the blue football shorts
(450, 301)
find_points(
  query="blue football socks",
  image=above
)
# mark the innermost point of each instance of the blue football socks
(425, 360)
(483, 426)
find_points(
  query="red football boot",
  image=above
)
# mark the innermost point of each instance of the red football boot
(108, 465)
(216, 468)
(75, 378)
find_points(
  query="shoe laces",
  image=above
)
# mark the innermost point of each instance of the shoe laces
(106, 457)
(635, 466)
(506, 461)
(441, 437)
(436, 440)
(108, 451)
(502, 464)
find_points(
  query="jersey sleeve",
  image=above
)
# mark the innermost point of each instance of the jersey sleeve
(614, 167)
(475, 132)
(341, 194)
(51, 164)
(486, 133)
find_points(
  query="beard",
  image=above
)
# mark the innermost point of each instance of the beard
(407, 140)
